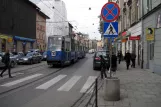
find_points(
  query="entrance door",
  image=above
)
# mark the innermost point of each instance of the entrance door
(3, 45)
(24, 47)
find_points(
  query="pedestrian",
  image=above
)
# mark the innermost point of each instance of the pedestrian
(6, 61)
(119, 56)
(114, 63)
(133, 57)
(127, 59)
(103, 67)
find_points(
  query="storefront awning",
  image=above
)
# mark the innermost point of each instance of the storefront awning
(8, 38)
(3, 37)
(23, 39)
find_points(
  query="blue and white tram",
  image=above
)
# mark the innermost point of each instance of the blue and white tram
(59, 50)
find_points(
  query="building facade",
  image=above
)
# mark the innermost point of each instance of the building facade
(130, 27)
(152, 19)
(56, 10)
(17, 25)
(41, 30)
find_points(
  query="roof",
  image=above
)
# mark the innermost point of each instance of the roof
(70, 25)
(32, 4)
(43, 14)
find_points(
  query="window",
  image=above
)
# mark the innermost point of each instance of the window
(149, 5)
(152, 51)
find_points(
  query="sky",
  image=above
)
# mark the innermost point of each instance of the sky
(78, 10)
(86, 20)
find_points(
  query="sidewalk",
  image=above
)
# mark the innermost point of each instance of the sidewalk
(139, 88)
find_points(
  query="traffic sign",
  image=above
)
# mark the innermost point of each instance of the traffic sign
(110, 12)
(110, 30)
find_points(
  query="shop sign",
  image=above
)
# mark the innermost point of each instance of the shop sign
(149, 34)
(123, 40)
(10, 40)
(134, 38)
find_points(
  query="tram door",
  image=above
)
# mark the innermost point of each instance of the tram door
(67, 50)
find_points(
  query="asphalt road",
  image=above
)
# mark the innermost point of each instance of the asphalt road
(44, 86)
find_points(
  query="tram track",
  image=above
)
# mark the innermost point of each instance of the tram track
(5, 93)
(21, 71)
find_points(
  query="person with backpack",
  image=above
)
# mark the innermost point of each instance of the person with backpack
(6, 61)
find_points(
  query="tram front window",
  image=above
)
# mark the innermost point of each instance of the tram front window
(55, 44)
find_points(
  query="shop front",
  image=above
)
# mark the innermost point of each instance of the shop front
(125, 43)
(6, 43)
(22, 44)
(135, 41)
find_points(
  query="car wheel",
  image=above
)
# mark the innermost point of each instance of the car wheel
(31, 62)
(62, 64)
(12, 64)
(40, 61)
(94, 68)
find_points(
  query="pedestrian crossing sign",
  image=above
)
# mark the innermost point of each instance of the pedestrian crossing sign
(110, 30)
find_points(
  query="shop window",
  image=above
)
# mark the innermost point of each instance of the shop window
(152, 51)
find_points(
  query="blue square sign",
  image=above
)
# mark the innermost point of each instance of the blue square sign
(110, 30)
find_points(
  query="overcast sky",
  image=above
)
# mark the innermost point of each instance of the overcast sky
(78, 10)
(86, 20)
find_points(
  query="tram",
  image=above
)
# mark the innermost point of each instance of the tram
(59, 50)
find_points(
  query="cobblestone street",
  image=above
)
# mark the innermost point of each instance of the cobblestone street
(139, 88)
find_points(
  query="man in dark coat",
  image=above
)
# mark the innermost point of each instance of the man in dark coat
(133, 57)
(114, 63)
(119, 56)
(6, 61)
(103, 67)
(127, 59)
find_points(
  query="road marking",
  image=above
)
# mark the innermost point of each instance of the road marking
(51, 82)
(89, 82)
(21, 80)
(69, 84)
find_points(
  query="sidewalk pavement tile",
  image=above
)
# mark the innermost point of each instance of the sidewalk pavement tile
(139, 88)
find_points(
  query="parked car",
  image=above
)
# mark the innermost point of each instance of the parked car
(44, 56)
(90, 51)
(30, 58)
(34, 50)
(97, 59)
(18, 56)
(12, 58)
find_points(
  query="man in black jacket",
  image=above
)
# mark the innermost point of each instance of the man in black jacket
(114, 63)
(119, 56)
(103, 67)
(127, 59)
(133, 57)
(6, 61)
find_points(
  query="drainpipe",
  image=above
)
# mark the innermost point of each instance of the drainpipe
(142, 36)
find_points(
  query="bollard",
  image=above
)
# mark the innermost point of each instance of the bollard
(112, 89)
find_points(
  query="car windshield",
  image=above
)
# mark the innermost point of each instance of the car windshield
(44, 53)
(54, 43)
(103, 53)
(29, 54)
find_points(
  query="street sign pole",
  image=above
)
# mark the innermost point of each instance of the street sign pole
(110, 57)
(110, 13)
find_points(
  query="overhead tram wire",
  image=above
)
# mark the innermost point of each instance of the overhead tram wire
(57, 14)
(53, 10)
